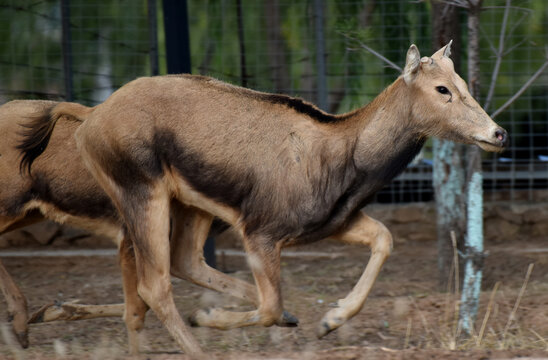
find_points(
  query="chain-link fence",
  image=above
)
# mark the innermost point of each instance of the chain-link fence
(83, 50)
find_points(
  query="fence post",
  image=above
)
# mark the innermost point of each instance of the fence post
(177, 36)
(320, 55)
(67, 49)
(153, 37)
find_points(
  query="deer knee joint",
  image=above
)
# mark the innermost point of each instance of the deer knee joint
(383, 241)
(155, 294)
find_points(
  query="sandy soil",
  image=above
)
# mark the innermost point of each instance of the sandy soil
(405, 317)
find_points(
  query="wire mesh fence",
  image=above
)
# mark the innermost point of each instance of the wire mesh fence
(307, 48)
(85, 55)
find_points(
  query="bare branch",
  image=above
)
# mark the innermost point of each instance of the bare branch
(518, 23)
(514, 46)
(491, 45)
(499, 55)
(523, 88)
(511, 7)
(384, 59)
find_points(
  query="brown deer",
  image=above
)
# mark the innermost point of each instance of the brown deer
(278, 169)
(61, 189)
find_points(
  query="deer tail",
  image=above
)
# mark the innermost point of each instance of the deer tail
(37, 131)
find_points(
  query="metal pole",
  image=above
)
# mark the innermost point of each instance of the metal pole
(153, 37)
(67, 49)
(177, 33)
(320, 55)
(177, 36)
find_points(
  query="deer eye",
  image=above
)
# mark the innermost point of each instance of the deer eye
(442, 90)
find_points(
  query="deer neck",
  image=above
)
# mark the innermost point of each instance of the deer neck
(387, 138)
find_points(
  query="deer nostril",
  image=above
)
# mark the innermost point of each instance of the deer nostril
(502, 136)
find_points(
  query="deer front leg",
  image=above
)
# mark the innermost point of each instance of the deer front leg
(362, 230)
(17, 306)
(147, 218)
(144, 208)
(189, 233)
(264, 260)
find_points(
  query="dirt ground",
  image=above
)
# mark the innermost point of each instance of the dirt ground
(405, 317)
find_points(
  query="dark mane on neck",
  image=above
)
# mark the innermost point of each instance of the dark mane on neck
(300, 106)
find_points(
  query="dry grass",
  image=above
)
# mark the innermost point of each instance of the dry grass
(496, 331)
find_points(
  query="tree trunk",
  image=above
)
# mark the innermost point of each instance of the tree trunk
(474, 239)
(448, 172)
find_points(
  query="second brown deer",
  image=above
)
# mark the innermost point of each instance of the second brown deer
(61, 189)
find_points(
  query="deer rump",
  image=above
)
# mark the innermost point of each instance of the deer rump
(59, 188)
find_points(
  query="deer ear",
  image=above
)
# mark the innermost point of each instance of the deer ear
(412, 64)
(447, 51)
(444, 51)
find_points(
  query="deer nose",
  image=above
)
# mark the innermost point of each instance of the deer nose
(502, 136)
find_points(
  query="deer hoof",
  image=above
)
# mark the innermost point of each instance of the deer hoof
(19, 327)
(327, 325)
(196, 318)
(23, 338)
(287, 320)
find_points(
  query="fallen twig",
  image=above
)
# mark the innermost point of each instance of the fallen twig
(72, 311)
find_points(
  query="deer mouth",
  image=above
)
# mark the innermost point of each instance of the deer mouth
(491, 146)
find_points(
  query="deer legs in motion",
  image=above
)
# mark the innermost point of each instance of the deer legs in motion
(265, 262)
(362, 231)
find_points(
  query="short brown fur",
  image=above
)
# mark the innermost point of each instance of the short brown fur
(279, 170)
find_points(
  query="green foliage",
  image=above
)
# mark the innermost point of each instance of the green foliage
(109, 43)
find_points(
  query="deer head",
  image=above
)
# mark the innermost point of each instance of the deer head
(442, 105)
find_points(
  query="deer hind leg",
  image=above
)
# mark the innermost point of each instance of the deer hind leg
(138, 190)
(135, 308)
(264, 260)
(365, 231)
(146, 213)
(17, 303)
(17, 306)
